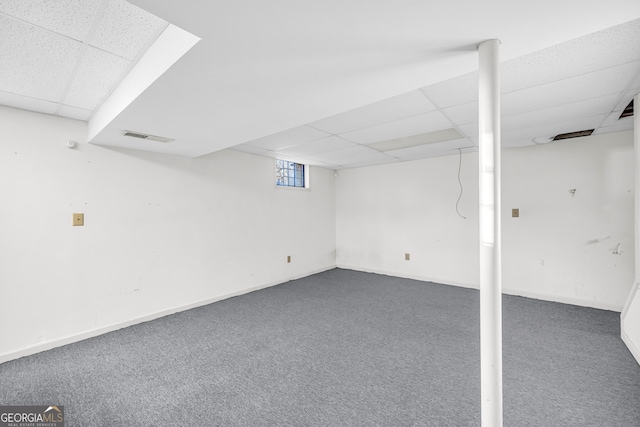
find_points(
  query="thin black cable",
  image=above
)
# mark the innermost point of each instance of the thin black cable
(460, 182)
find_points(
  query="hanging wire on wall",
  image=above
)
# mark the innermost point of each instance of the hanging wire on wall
(460, 183)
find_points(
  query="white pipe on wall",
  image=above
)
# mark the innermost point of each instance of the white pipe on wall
(490, 238)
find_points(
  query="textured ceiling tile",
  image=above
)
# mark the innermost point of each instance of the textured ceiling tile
(75, 113)
(429, 150)
(614, 119)
(606, 48)
(455, 91)
(26, 103)
(126, 30)
(35, 62)
(98, 74)
(295, 136)
(357, 153)
(551, 129)
(620, 127)
(580, 88)
(323, 145)
(562, 113)
(415, 125)
(248, 149)
(463, 114)
(398, 107)
(71, 18)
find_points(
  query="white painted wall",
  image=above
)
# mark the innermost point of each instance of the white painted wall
(161, 233)
(560, 249)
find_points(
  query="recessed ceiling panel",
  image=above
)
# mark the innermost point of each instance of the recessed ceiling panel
(423, 123)
(35, 62)
(398, 107)
(295, 136)
(125, 30)
(71, 18)
(330, 143)
(98, 73)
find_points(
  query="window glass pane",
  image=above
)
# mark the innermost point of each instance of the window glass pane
(289, 174)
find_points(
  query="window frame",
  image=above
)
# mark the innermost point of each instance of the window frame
(291, 187)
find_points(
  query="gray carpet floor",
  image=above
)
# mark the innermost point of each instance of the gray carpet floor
(339, 348)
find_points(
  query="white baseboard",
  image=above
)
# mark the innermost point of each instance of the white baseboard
(37, 348)
(405, 275)
(631, 346)
(507, 291)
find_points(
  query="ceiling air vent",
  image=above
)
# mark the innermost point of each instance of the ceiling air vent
(573, 134)
(146, 136)
(628, 111)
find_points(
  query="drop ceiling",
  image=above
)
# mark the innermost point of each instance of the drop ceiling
(64, 57)
(335, 84)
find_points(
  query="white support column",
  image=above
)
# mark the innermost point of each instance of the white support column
(490, 248)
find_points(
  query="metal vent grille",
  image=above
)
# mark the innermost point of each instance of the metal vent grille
(145, 136)
(628, 111)
(570, 135)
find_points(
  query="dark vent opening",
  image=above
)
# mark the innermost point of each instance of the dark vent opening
(136, 135)
(628, 111)
(573, 134)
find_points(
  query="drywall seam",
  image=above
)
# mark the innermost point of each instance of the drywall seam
(37, 348)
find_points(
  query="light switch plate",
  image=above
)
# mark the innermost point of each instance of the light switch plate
(515, 213)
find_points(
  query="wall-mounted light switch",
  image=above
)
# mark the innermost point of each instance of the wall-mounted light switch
(78, 219)
(515, 213)
(288, 258)
(407, 257)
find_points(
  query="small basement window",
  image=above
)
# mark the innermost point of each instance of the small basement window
(291, 174)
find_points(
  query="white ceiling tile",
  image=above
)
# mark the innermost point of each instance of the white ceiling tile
(470, 130)
(71, 18)
(606, 48)
(75, 113)
(429, 150)
(551, 129)
(294, 136)
(98, 74)
(613, 119)
(580, 88)
(358, 153)
(248, 149)
(35, 62)
(330, 143)
(26, 103)
(620, 127)
(355, 163)
(415, 125)
(561, 113)
(455, 91)
(398, 107)
(463, 114)
(125, 29)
